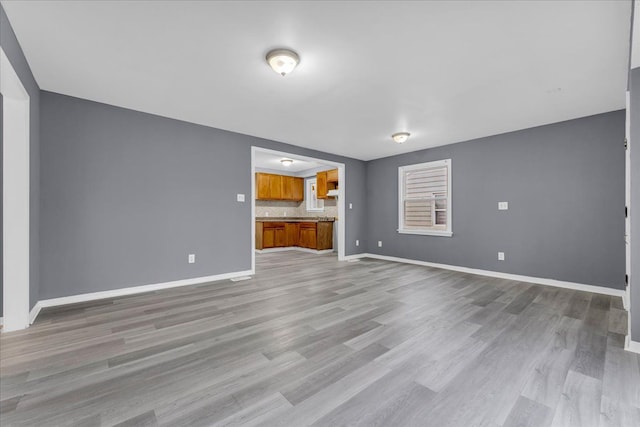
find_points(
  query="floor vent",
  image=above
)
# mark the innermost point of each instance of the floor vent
(238, 279)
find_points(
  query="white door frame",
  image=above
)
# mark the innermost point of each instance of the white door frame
(15, 198)
(627, 203)
(341, 201)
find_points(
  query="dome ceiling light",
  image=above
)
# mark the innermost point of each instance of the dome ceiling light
(286, 162)
(283, 61)
(400, 137)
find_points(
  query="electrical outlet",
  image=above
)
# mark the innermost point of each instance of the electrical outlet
(284, 213)
(503, 206)
(500, 256)
(357, 242)
(192, 258)
(266, 214)
(240, 197)
(379, 243)
(350, 205)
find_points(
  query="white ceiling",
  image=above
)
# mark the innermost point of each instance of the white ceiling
(446, 71)
(265, 160)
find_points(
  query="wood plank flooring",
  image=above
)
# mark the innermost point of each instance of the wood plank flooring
(311, 341)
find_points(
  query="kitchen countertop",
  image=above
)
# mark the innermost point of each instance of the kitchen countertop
(295, 219)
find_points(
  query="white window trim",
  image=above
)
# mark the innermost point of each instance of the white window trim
(308, 198)
(401, 170)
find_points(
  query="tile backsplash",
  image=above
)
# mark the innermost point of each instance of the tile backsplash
(278, 208)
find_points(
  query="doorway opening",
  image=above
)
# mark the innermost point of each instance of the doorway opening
(15, 198)
(321, 203)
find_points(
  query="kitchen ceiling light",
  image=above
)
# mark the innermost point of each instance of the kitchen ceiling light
(286, 162)
(283, 61)
(400, 137)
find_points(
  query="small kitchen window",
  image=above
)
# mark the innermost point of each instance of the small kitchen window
(424, 205)
(313, 203)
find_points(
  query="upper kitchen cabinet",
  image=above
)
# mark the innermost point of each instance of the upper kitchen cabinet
(321, 185)
(325, 181)
(298, 189)
(275, 187)
(332, 176)
(292, 188)
(263, 190)
(279, 187)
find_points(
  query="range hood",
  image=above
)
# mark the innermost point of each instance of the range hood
(332, 193)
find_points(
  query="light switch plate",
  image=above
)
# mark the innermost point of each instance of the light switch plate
(192, 258)
(503, 206)
(240, 197)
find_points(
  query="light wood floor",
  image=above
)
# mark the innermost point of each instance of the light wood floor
(310, 341)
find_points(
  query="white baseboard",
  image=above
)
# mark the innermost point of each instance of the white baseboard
(626, 299)
(537, 280)
(34, 312)
(632, 346)
(353, 257)
(73, 299)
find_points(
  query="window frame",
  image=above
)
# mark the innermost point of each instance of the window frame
(448, 232)
(308, 199)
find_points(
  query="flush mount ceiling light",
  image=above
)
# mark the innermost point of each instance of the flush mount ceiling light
(400, 137)
(286, 162)
(283, 61)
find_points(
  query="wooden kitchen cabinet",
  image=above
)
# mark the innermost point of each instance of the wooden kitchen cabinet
(321, 185)
(310, 235)
(298, 190)
(292, 231)
(287, 187)
(325, 181)
(275, 187)
(270, 235)
(307, 235)
(292, 188)
(332, 176)
(279, 187)
(263, 190)
(269, 238)
(324, 235)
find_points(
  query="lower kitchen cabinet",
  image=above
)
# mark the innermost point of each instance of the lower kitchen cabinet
(270, 235)
(324, 235)
(310, 235)
(292, 231)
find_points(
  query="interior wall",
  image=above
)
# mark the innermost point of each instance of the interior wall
(634, 208)
(126, 196)
(565, 186)
(15, 55)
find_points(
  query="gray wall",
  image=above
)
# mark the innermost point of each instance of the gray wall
(634, 208)
(126, 195)
(14, 52)
(565, 187)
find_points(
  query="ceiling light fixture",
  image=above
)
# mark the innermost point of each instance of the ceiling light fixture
(286, 162)
(283, 61)
(400, 137)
